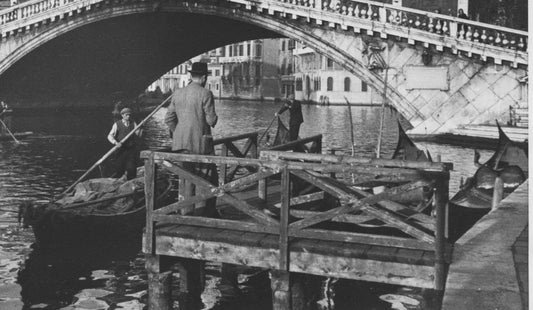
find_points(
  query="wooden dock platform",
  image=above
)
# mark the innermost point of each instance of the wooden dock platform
(277, 231)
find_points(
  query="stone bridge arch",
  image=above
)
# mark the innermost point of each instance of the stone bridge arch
(428, 110)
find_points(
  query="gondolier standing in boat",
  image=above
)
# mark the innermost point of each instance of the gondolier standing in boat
(295, 116)
(126, 156)
(190, 117)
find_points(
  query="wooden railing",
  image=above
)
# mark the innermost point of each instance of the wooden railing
(425, 232)
(229, 144)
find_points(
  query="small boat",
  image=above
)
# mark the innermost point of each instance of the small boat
(101, 209)
(407, 150)
(474, 198)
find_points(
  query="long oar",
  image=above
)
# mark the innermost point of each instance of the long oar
(264, 133)
(351, 132)
(116, 147)
(9, 132)
(351, 125)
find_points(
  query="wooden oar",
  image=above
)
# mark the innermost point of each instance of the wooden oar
(116, 147)
(382, 116)
(351, 125)
(9, 132)
(264, 133)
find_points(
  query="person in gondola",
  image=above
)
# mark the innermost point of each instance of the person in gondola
(126, 156)
(6, 122)
(190, 117)
(295, 116)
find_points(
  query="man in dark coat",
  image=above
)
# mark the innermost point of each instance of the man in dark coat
(126, 156)
(190, 117)
(295, 116)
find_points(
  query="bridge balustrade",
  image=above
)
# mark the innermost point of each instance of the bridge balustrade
(470, 37)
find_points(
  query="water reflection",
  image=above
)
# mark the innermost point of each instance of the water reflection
(66, 143)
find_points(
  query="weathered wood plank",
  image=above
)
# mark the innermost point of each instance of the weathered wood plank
(284, 221)
(344, 218)
(216, 223)
(345, 159)
(303, 199)
(149, 192)
(235, 138)
(317, 264)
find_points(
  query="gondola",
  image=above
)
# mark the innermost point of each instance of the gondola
(474, 198)
(98, 210)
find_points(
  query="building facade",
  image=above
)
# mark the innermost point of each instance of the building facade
(318, 79)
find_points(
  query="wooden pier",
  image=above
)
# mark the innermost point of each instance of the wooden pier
(292, 237)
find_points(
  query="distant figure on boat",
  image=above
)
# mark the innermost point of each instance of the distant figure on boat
(190, 117)
(126, 156)
(295, 116)
(6, 121)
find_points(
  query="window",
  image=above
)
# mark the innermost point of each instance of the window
(282, 68)
(330, 63)
(289, 69)
(248, 49)
(241, 50)
(230, 51)
(258, 50)
(346, 84)
(299, 84)
(258, 70)
(223, 52)
(216, 86)
(217, 72)
(364, 87)
(330, 84)
(282, 45)
(292, 44)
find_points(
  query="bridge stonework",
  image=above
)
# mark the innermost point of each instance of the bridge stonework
(438, 78)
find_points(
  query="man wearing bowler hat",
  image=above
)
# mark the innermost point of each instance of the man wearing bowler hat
(126, 156)
(190, 117)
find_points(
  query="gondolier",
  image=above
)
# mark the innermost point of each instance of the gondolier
(295, 116)
(126, 156)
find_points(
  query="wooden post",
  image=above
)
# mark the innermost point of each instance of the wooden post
(253, 147)
(284, 221)
(159, 282)
(149, 193)
(192, 280)
(281, 293)
(441, 204)
(262, 189)
(224, 167)
(497, 194)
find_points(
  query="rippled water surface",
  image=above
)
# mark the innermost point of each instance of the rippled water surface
(66, 143)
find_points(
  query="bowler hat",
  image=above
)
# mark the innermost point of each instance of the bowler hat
(125, 111)
(199, 68)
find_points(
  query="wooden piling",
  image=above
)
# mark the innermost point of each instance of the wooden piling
(281, 293)
(159, 282)
(497, 194)
(192, 282)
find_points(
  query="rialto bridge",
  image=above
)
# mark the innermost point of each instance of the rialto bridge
(438, 71)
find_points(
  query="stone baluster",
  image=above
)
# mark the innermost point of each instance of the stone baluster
(356, 11)
(476, 35)
(491, 39)
(438, 27)
(369, 12)
(445, 29)
(344, 10)
(350, 10)
(392, 16)
(398, 19)
(521, 44)
(483, 37)
(418, 23)
(363, 12)
(468, 34)
(512, 43)
(431, 25)
(505, 41)
(498, 39)
(404, 19)
(424, 24)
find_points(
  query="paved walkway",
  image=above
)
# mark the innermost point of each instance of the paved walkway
(489, 264)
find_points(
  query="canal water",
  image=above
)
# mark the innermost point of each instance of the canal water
(67, 142)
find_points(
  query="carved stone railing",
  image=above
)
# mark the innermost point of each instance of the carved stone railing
(474, 39)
